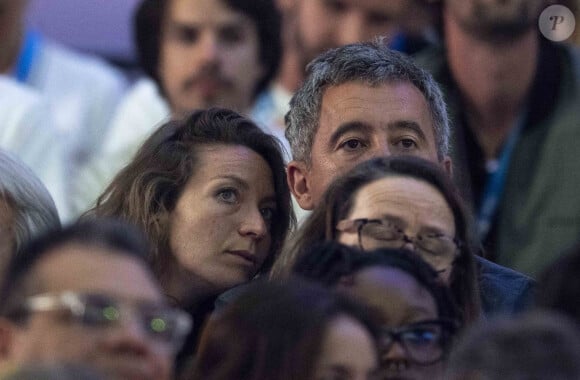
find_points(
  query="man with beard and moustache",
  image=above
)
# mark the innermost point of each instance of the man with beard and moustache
(197, 54)
(513, 98)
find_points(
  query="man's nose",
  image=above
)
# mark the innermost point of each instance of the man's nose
(380, 150)
(208, 48)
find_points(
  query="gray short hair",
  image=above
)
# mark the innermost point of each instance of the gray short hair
(34, 209)
(368, 62)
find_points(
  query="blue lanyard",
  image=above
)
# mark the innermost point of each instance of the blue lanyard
(27, 56)
(495, 182)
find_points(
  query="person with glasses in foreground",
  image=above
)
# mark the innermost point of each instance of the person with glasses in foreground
(408, 202)
(85, 295)
(416, 311)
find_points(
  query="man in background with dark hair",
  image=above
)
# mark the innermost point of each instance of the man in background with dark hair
(85, 295)
(514, 100)
(197, 54)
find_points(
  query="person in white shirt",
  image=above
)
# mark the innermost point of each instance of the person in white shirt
(26, 131)
(81, 91)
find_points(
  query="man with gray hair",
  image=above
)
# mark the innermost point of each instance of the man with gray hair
(357, 102)
(26, 207)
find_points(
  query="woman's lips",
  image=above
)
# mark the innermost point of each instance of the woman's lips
(246, 255)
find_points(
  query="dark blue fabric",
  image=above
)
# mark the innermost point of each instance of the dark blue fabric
(503, 290)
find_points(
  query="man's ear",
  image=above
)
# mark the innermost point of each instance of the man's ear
(447, 164)
(298, 180)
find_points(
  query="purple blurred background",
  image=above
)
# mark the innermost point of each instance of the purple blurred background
(98, 26)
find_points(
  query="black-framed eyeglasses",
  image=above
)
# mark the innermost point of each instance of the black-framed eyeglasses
(163, 324)
(437, 249)
(424, 342)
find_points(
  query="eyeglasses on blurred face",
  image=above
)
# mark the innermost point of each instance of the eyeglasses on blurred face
(424, 342)
(437, 249)
(162, 324)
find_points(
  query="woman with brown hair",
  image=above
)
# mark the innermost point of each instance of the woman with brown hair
(210, 192)
(405, 202)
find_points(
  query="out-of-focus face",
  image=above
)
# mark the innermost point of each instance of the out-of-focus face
(348, 352)
(209, 56)
(398, 300)
(495, 18)
(324, 24)
(359, 122)
(12, 14)
(124, 350)
(221, 226)
(411, 206)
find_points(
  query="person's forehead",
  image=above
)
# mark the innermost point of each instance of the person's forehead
(79, 268)
(380, 103)
(394, 89)
(205, 12)
(382, 287)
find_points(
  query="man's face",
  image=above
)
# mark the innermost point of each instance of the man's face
(358, 122)
(495, 18)
(123, 350)
(323, 24)
(209, 56)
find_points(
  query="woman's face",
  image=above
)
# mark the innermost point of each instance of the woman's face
(220, 229)
(407, 213)
(348, 352)
(399, 300)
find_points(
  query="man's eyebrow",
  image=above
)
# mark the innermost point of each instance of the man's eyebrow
(351, 126)
(408, 125)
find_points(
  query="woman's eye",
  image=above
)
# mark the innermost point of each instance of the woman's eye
(227, 195)
(268, 214)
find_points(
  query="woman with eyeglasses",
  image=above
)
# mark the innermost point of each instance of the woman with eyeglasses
(397, 202)
(415, 310)
(210, 192)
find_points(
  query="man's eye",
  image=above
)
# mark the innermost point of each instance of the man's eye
(406, 143)
(352, 144)
(186, 35)
(232, 34)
